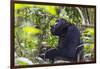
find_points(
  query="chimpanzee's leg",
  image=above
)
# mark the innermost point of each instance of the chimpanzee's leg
(51, 54)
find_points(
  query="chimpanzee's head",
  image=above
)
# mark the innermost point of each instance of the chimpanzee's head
(59, 27)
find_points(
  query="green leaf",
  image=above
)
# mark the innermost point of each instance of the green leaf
(31, 30)
(89, 31)
(20, 6)
(50, 9)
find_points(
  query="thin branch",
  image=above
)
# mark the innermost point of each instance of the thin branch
(83, 22)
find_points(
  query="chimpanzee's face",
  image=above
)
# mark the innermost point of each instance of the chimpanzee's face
(58, 27)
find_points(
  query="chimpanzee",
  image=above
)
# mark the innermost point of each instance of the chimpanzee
(69, 39)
